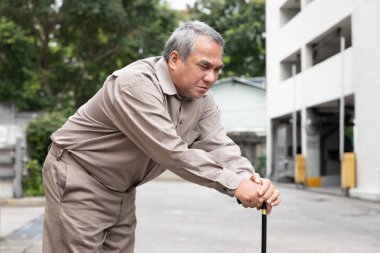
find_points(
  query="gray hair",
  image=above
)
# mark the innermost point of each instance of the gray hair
(183, 38)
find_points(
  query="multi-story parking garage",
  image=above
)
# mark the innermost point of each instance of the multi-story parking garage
(323, 93)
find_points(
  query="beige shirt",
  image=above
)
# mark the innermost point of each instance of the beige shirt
(136, 126)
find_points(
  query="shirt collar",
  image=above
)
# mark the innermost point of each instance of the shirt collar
(164, 77)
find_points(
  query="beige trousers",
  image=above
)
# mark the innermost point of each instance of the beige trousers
(81, 214)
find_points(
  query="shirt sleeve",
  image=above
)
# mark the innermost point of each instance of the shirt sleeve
(214, 140)
(140, 114)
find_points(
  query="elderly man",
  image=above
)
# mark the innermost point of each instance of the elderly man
(152, 115)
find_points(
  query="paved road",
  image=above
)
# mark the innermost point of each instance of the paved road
(177, 217)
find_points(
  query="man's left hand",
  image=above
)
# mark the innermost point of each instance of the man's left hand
(267, 192)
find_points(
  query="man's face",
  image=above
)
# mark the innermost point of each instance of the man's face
(195, 77)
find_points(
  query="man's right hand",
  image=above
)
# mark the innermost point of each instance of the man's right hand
(248, 193)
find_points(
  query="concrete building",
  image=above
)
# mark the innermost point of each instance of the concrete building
(242, 102)
(323, 92)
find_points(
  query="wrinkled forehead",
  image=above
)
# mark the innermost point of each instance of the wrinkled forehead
(208, 50)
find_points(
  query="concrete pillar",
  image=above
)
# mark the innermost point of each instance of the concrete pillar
(269, 149)
(303, 131)
(312, 145)
(18, 167)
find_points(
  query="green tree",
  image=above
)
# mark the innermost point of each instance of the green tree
(109, 35)
(27, 53)
(242, 25)
(55, 54)
(18, 71)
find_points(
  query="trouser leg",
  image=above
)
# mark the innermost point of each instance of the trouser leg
(121, 236)
(51, 241)
(81, 215)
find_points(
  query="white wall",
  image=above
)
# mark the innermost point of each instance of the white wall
(243, 107)
(367, 98)
(318, 81)
(318, 84)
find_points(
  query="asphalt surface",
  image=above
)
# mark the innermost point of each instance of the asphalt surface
(182, 218)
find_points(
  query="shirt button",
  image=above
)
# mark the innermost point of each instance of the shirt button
(228, 184)
(200, 172)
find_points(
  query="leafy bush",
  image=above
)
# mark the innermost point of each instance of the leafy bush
(262, 165)
(38, 134)
(33, 181)
(38, 138)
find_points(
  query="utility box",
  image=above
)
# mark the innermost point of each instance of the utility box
(7, 160)
(11, 166)
(348, 171)
(12, 149)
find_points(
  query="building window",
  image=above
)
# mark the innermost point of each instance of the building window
(289, 10)
(287, 64)
(328, 44)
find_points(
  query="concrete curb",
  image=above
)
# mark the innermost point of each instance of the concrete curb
(40, 201)
(22, 202)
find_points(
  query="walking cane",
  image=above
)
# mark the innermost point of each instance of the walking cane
(263, 227)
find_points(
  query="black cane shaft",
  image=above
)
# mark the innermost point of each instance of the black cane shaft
(263, 229)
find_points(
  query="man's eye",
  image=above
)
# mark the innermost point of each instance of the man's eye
(204, 67)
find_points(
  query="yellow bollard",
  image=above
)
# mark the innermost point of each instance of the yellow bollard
(314, 182)
(348, 171)
(299, 170)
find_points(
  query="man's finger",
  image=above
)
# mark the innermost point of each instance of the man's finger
(275, 196)
(264, 188)
(269, 193)
(245, 205)
(256, 178)
(276, 202)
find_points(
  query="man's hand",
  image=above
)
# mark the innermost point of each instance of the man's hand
(267, 192)
(248, 193)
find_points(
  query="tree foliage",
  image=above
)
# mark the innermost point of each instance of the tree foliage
(242, 25)
(38, 137)
(38, 134)
(55, 54)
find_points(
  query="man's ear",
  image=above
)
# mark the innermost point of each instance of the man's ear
(173, 59)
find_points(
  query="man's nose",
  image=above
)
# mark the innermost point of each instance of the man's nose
(210, 76)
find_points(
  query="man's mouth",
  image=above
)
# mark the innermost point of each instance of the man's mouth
(203, 88)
